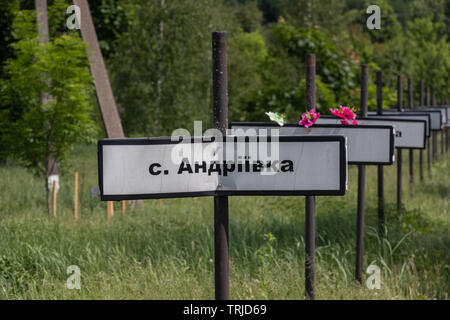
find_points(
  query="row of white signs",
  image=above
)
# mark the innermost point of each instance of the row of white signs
(259, 158)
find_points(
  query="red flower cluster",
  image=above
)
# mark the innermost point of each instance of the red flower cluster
(309, 118)
(345, 114)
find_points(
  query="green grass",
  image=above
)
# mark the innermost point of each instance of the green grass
(167, 251)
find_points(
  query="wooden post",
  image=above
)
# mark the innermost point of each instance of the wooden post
(107, 104)
(310, 228)
(124, 206)
(75, 198)
(446, 139)
(399, 151)
(380, 167)
(361, 180)
(109, 210)
(422, 93)
(220, 122)
(55, 192)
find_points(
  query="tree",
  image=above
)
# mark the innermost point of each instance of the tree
(35, 131)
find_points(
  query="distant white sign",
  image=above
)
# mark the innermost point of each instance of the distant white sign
(366, 144)
(162, 168)
(404, 115)
(442, 109)
(436, 116)
(409, 134)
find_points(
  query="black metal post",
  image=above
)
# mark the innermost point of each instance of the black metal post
(361, 180)
(380, 167)
(411, 151)
(428, 102)
(422, 87)
(220, 121)
(446, 139)
(399, 151)
(434, 133)
(310, 232)
(422, 93)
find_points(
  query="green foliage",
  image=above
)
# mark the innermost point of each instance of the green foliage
(167, 251)
(328, 14)
(158, 54)
(389, 97)
(50, 89)
(334, 68)
(431, 54)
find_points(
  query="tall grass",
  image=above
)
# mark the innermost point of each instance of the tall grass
(166, 251)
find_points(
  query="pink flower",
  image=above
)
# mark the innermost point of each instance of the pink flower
(340, 113)
(309, 118)
(345, 113)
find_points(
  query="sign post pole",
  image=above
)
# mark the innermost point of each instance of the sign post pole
(421, 151)
(310, 234)
(361, 180)
(434, 133)
(75, 198)
(380, 167)
(411, 151)
(428, 103)
(220, 122)
(399, 151)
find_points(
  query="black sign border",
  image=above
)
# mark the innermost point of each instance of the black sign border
(167, 140)
(419, 110)
(394, 119)
(406, 114)
(291, 125)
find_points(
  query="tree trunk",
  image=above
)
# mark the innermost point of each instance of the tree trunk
(47, 195)
(159, 81)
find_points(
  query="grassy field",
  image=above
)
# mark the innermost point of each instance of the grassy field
(166, 251)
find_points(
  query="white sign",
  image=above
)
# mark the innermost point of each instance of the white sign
(404, 115)
(366, 144)
(448, 117)
(189, 167)
(442, 109)
(436, 116)
(409, 134)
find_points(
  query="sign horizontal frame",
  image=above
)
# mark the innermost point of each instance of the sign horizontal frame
(442, 109)
(340, 189)
(436, 116)
(390, 129)
(399, 115)
(419, 145)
